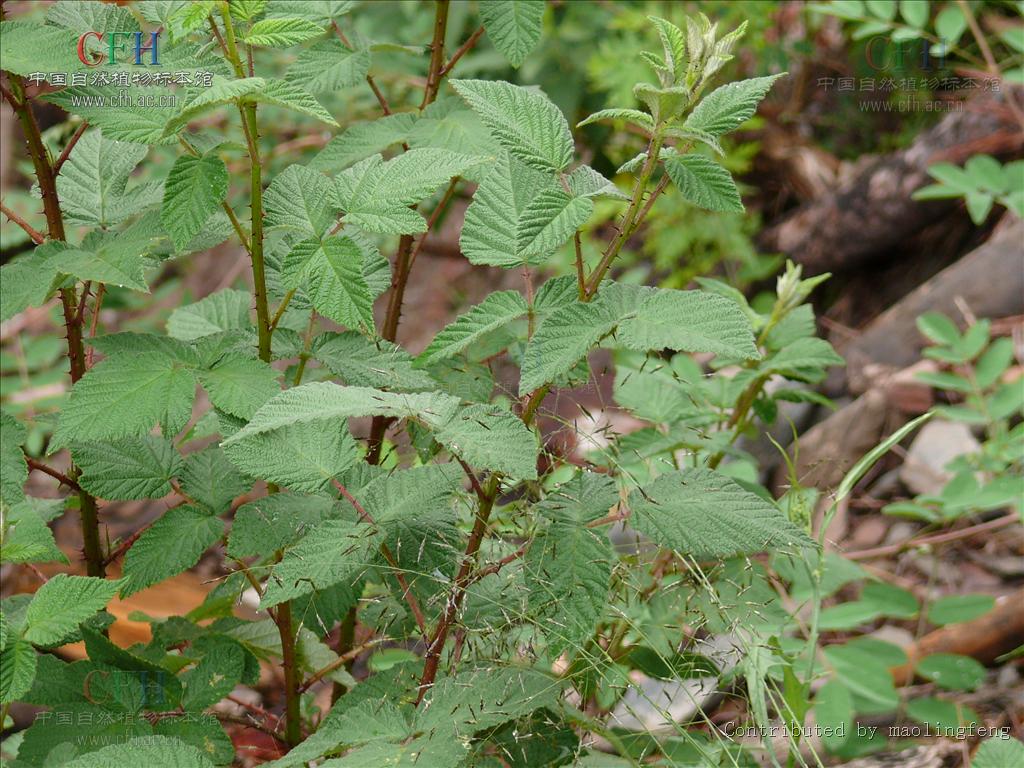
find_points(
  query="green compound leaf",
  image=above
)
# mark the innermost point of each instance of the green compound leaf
(729, 106)
(704, 182)
(494, 312)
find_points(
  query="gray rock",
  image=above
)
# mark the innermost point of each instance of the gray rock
(935, 446)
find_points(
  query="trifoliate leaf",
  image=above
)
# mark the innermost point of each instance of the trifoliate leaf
(548, 221)
(274, 522)
(132, 468)
(704, 182)
(703, 513)
(115, 259)
(173, 544)
(125, 396)
(513, 26)
(525, 122)
(61, 604)
(195, 188)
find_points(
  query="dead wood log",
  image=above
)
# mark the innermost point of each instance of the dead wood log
(872, 210)
(989, 280)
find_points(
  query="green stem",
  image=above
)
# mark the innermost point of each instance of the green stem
(88, 511)
(630, 219)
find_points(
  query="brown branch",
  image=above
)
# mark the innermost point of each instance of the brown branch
(581, 278)
(34, 234)
(462, 51)
(462, 582)
(54, 473)
(938, 538)
(410, 598)
(342, 660)
(76, 349)
(435, 70)
(385, 107)
(499, 564)
(70, 145)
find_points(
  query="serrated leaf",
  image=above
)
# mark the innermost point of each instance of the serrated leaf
(490, 232)
(13, 469)
(61, 604)
(513, 26)
(115, 259)
(17, 670)
(240, 385)
(486, 436)
(332, 273)
(548, 221)
(691, 321)
(173, 544)
(125, 396)
(125, 122)
(363, 362)
(568, 333)
(568, 571)
(26, 282)
(274, 522)
(525, 122)
(195, 188)
(329, 66)
(362, 140)
(634, 116)
(209, 479)
(333, 552)
(92, 182)
(704, 182)
(133, 468)
(300, 199)
(282, 93)
(28, 539)
(150, 751)
(584, 181)
(729, 106)
(803, 356)
(999, 752)
(281, 33)
(205, 734)
(494, 312)
(201, 100)
(483, 697)
(702, 513)
(302, 457)
(226, 310)
(29, 46)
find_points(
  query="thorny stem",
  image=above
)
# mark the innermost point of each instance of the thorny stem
(54, 473)
(70, 145)
(283, 617)
(248, 113)
(462, 51)
(34, 234)
(462, 581)
(384, 106)
(343, 660)
(47, 179)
